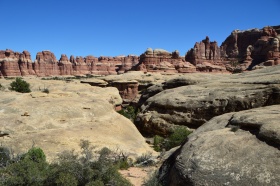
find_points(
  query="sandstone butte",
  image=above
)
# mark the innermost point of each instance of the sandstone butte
(242, 50)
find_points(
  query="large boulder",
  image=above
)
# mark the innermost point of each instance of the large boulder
(239, 148)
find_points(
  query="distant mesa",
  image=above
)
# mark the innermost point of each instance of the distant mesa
(241, 50)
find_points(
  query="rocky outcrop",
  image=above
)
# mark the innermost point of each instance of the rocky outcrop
(204, 51)
(70, 112)
(9, 63)
(213, 95)
(252, 47)
(240, 148)
(128, 90)
(65, 66)
(25, 64)
(206, 56)
(46, 64)
(159, 60)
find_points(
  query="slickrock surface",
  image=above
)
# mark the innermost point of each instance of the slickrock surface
(193, 99)
(59, 120)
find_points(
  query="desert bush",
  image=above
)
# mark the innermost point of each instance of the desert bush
(31, 169)
(19, 85)
(129, 112)
(176, 138)
(46, 90)
(145, 160)
(4, 156)
(158, 140)
(70, 168)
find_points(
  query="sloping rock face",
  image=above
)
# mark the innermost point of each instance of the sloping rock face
(252, 47)
(212, 95)
(159, 60)
(240, 148)
(69, 113)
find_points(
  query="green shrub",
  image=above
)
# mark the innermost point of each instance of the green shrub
(20, 85)
(35, 154)
(4, 156)
(32, 169)
(158, 140)
(176, 138)
(129, 112)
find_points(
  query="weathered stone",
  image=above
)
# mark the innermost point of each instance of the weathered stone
(251, 47)
(204, 51)
(232, 149)
(193, 105)
(160, 60)
(46, 64)
(65, 66)
(127, 89)
(70, 112)
(9, 63)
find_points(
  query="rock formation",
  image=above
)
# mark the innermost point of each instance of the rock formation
(46, 64)
(70, 112)
(128, 89)
(242, 50)
(240, 148)
(65, 66)
(205, 55)
(252, 47)
(192, 100)
(160, 60)
(9, 63)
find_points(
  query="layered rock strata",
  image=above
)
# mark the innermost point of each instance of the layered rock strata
(20, 64)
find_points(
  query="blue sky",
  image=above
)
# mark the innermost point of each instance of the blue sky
(123, 27)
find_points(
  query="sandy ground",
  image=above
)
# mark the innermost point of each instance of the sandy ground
(137, 175)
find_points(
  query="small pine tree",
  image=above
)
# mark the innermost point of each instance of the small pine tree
(20, 85)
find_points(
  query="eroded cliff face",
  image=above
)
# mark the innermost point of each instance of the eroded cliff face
(20, 64)
(241, 50)
(252, 47)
